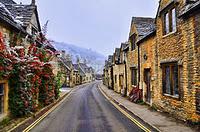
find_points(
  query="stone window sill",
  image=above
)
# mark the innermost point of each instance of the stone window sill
(169, 34)
(172, 96)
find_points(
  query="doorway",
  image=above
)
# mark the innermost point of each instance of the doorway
(147, 81)
(121, 82)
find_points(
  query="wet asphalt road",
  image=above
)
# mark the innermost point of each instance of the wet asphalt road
(86, 110)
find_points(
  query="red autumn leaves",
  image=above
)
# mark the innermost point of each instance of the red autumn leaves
(35, 82)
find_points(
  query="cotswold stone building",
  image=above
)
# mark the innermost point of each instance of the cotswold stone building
(164, 58)
(116, 57)
(108, 79)
(147, 65)
(140, 27)
(177, 58)
(119, 68)
(11, 25)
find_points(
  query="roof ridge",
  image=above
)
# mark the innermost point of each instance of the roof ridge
(135, 17)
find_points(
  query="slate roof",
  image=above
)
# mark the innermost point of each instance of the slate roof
(78, 68)
(85, 68)
(17, 15)
(110, 58)
(146, 36)
(191, 6)
(8, 17)
(5, 12)
(124, 45)
(22, 12)
(126, 48)
(65, 63)
(91, 69)
(143, 25)
(75, 67)
(8, 2)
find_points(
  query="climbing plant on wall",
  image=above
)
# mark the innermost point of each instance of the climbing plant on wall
(30, 75)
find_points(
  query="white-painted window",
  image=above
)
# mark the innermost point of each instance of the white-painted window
(170, 21)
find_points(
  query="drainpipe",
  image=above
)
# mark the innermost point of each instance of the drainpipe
(139, 71)
(126, 88)
(138, 65)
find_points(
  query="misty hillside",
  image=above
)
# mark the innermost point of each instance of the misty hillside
(94, 59)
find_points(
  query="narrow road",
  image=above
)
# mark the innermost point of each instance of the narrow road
(86, 110)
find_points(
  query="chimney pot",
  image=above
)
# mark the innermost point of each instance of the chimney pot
(33, 2)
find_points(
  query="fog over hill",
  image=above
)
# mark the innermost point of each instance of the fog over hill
(93, 58)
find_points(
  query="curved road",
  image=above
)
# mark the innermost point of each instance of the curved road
(86, 110)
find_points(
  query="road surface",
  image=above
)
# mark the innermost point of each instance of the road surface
(86, 110)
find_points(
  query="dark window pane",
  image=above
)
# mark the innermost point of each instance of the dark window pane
(175, 80)
(1, 88)
(134, 76)
(167, 80)
(1, 97)
(1, 104)
(166, 23)
(173, 20)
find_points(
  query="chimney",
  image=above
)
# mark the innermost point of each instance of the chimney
(33, 2)
(63, 53)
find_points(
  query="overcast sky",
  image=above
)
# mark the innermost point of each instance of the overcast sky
(97, 24)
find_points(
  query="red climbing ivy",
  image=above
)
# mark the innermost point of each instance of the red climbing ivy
(30, 76)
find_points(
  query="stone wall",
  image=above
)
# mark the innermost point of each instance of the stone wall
(197, 56)
(147, 57)
(177, 46)
(119, 70)
(132, 62)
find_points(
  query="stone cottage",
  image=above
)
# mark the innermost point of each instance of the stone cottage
(12, 24)
(177, 58)
(147, 64)
(139, 28)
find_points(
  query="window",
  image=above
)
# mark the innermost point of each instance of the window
(170, 21)
(33, 31)
(1, 98)
(173, 20)
(198, 101)
(121, 80)
(170, 79)
(134, 76)
(132, 40)
(166, 23)
(115, 78)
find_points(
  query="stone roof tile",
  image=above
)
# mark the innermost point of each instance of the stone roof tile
(21, 12)
(143, 25)
(190, 7)
(8, 2)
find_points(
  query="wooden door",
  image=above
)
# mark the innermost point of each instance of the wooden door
(121, 81)
(147, 80)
